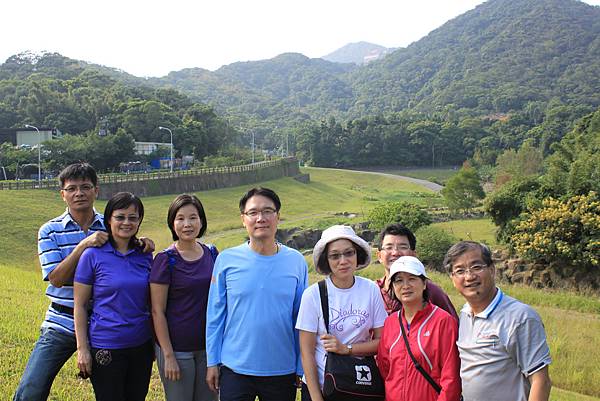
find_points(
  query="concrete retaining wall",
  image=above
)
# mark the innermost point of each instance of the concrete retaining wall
(202, 182)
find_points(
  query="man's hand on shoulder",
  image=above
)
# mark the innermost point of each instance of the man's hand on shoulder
(95, 240)
(63, 273)
(147, 245)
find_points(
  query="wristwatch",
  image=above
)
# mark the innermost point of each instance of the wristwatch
(349, 346)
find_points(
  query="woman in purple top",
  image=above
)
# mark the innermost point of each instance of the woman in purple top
(115, 348)
(179, 284)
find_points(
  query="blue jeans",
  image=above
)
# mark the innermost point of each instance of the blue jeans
(52, 349)
(238, 387)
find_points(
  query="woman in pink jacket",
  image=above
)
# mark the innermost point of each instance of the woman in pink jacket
(431, 334)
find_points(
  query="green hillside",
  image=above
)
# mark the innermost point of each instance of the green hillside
(495, 58)
(571, 320)
(328, 193)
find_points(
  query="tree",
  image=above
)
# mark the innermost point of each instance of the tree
(434, 242)
(463, 190)
(409, 214)
(511, 164)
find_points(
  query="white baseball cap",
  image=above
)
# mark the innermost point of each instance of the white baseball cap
(408, 264)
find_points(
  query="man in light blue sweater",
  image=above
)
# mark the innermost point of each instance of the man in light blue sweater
(251, 344)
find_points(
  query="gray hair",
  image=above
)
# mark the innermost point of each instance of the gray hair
(463, 247)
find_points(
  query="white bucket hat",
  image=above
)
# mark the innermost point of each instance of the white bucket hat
(408, 264)
(334, 233)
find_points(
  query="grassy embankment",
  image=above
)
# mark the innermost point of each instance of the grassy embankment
(571, 320)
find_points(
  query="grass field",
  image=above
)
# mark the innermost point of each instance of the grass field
(572, 321)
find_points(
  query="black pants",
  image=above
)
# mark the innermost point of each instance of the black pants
(122, 374)
(238, 387)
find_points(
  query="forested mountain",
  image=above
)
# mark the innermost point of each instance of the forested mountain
(357, 53)
(289, 88)
(80, 99)
(495, 58)
(503, 73)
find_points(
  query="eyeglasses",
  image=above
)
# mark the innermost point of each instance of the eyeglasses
(395, 247)
(122, 218)
(83, 188)
(265, 213)
(475, 269)
(347, 254)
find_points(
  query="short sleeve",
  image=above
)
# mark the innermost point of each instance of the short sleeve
(84, 273)
(528, 345)
(308, 315)
(160, 273)
(49, 253)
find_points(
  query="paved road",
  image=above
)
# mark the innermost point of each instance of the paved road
(427, 184)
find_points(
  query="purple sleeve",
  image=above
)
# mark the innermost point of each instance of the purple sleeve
(438, 297)
(160, 273)
(84, 273)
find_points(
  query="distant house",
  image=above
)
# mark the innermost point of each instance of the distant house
(27, 137)
(145, 148)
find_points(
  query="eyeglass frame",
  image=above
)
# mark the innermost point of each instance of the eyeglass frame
(350, 253)
(267, 213)
(121, 218)
(71, 189)
(475, 269)
(396, 247)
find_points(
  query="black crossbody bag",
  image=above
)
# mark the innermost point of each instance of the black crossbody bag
(435, 386)
(349, 377)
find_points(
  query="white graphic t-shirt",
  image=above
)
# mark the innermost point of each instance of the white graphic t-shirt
(353, 312)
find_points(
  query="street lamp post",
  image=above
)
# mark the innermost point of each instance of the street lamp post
(252, 146)
(170, 132)
(39, 154)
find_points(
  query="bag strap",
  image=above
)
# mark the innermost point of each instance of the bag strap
(172, 260)
(213, 251)
(324, 303)
(435, 386)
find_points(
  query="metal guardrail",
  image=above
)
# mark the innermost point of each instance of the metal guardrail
(133, 177)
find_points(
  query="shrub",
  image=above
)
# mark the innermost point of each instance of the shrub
(433, 243)
(505, 204)
(409, 214)
(463, 190)
(567, 232)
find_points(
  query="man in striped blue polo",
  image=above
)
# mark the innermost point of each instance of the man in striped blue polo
(61, 241)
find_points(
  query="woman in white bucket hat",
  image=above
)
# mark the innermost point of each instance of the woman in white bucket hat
(356, 309)
(431, 333)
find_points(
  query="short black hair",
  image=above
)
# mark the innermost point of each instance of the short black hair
(260, 191)
(463, 247)
(122, 200)
(400, 230)
(393, 296)
(323, 262)
(81, 171)
(179, 202)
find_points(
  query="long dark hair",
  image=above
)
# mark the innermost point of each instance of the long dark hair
(123, 200)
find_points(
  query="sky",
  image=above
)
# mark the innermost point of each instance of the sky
(150, 38)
